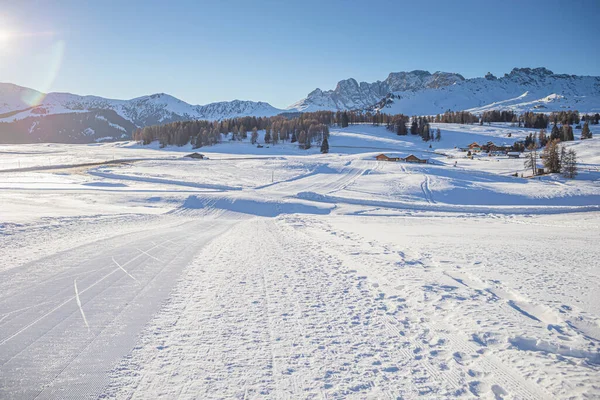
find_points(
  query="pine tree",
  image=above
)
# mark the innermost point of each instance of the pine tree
(243, 133)
(585, 131)
(569, 163)
(268, 136)
(401, 128)
(344, 119)
(531, 160)
(552, 157)
(543, 139)
(567, 133)
(302, 139)
(325, 145)
(438, 135)
(426, 135)
(555, 133)
(414, 127)
(254, 137)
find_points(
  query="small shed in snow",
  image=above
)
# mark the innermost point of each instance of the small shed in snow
(197, 156)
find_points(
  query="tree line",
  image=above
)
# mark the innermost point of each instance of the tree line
(456, 117)
(527, 119)
(306, 129)
(419, 126)
(591, 118)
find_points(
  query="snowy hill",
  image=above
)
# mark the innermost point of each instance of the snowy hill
(422, 93)
(27, 123)
(142, 111)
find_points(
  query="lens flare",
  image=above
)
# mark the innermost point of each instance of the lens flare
(5, 37)
(50, 63)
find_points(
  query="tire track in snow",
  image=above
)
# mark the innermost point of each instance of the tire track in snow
(79, 305)
(426, 190)
(128, 274)
(110, 325)
(26, 327)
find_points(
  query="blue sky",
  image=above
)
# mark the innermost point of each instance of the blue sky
(278, 51)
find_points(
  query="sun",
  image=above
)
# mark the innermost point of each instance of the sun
(5, 37)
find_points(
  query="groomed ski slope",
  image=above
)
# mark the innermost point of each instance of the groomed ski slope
(279, 274)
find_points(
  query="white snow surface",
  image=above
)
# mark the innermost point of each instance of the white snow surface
(277, 272)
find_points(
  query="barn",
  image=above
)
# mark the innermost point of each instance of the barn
(383, 157)
(414, 159)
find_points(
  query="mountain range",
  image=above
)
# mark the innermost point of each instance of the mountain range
(65, 117)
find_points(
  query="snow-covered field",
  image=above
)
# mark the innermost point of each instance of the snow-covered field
(281, 273)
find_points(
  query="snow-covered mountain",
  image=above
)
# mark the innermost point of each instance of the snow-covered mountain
(421, 93)
(66, 117)
(66, 114)
(351, 95)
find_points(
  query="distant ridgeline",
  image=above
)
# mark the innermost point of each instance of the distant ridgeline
(73, 127)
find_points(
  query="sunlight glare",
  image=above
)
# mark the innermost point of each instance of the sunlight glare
(5, 37)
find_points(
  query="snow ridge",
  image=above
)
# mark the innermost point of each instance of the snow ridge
(142, 111)
(423, 93)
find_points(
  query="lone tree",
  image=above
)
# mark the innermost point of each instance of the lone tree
(438, 135)
(568, 163)
(552, 157)
(585, 132)
(254, 137)
(325, 145)
(531, 160)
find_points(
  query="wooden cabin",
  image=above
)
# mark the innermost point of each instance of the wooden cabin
(383, 157)
(474, 146)
(414, 159)
(491, 147)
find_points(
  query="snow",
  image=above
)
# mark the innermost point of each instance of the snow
(283, 273)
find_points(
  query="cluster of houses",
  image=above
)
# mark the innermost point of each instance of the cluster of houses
(492, 149)
(489, 147)
(411, 158)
